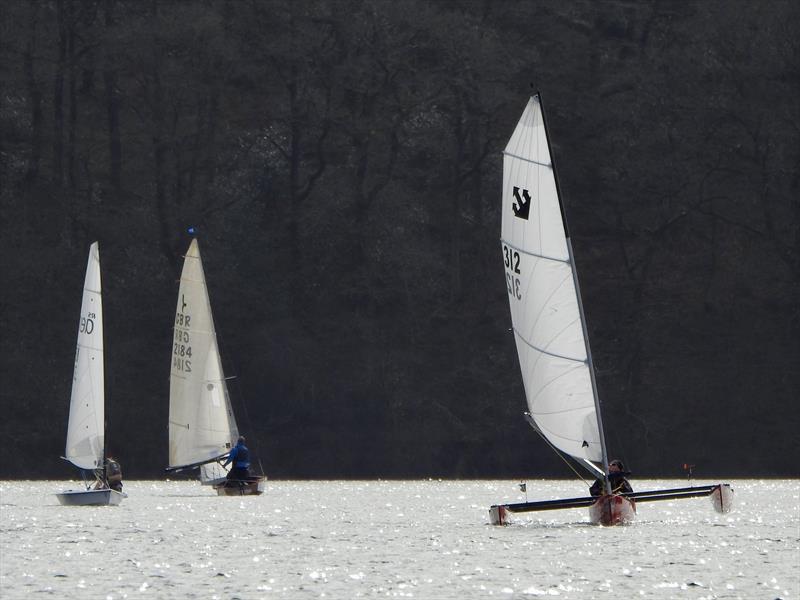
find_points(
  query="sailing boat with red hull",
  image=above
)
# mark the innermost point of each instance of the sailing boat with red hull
(550, 326)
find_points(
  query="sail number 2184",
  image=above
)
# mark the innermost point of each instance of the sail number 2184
(511, 258)
(181, 344)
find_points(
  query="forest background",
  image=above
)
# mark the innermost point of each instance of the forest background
(342, 163)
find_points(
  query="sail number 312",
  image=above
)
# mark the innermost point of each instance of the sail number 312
(511, 258)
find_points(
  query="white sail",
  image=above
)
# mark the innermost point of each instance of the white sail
(213, 473)
(85, 432)
(201, 422)
(545, 309)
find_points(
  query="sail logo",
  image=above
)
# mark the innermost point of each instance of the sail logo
(522, 206)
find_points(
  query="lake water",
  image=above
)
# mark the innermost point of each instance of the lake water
(393, 539)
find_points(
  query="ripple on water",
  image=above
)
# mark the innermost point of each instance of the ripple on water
(422, 539)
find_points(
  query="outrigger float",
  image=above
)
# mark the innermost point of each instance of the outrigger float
(550, 329)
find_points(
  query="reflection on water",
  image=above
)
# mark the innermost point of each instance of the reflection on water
(421, 539)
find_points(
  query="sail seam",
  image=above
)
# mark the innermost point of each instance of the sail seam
(529, 253)
(541, 164)
(88, 347)
(527, 343)
(191, 330)
(549, 383)
(561, 412)
(561, 436)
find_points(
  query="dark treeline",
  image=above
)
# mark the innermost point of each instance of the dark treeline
(342, 163)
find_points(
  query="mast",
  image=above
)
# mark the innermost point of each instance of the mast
(574, 269)
(105, 412)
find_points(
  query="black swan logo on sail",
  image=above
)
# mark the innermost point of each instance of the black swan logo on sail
(522, 206)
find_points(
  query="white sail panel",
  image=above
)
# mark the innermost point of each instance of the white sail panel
(544, 303)
(546, 311)
(561, 402)
(201, 422)
(531, 210)
(213, 473)
(85, 431)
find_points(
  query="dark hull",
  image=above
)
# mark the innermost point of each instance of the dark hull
(253, 486)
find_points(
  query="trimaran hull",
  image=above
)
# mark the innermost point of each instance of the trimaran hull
(617, 509)
(550, 330)
(612, 509)
(722, 498)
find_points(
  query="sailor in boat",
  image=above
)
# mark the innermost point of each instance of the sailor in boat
(616, 477)
(114, 474)
(240, 457)
(110, 477)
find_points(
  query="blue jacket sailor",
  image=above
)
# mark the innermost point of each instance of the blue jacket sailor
(240, 457)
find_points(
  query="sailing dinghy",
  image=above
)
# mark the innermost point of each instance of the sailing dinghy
(202, 426)
(550, 327)
(86, 429)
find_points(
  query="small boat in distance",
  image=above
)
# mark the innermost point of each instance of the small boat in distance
(550, 328)
(85, 446)
(202, 425)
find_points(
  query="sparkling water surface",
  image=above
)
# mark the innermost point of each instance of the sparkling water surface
(395, 539)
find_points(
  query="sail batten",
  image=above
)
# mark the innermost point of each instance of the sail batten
(202, 427)
(534, 162)
(529, 253)
(543, 296)
(543, 351)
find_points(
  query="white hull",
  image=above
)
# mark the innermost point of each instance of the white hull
(90, 497)
(498, 515)
(253, 487)
(722, 498)
(213, 482)
(612, 510)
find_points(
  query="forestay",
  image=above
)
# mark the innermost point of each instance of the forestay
(85, 432)
(545, 309)
(201, 422)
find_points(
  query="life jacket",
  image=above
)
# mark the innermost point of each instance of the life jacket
(619, 484)
(113, 471)
(242, 460)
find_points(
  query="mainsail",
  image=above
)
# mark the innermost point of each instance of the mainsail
(202, 426)
(86, 429)
(545, 304)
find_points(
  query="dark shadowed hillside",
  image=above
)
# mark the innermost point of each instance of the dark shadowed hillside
(342, 162)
